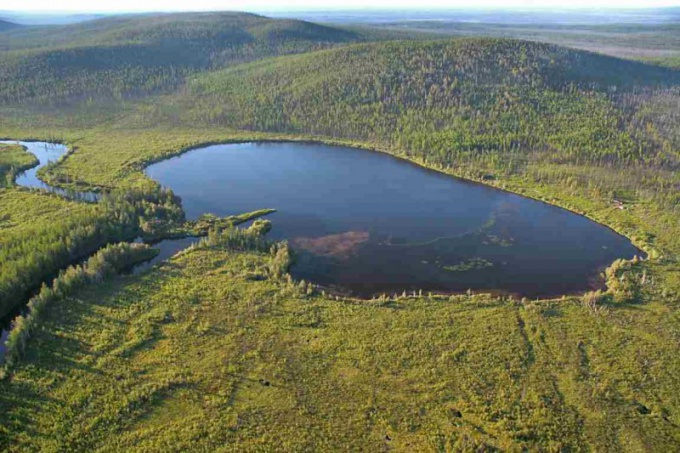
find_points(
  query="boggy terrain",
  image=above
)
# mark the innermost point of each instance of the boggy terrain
(220, 348)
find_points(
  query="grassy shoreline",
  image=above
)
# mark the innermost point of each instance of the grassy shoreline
(14, 159)
(517, 186)
(199, 354)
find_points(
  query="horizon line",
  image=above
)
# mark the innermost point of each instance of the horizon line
(543, 9)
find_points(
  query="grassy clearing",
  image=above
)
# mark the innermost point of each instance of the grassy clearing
(107, 262)
(21, 211)
(197, 355)
(14, 159)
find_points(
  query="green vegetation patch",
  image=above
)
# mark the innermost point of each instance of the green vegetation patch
(471, 264)
(219, 348)
(198, 355)
(107, 262)
(127, 57)
(13, 160)
(43, 233)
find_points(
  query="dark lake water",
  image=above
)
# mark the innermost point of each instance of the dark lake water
(368, 223)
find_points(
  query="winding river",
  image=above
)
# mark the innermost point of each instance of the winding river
(47, 153)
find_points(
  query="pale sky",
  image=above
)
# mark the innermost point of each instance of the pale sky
(277, 5)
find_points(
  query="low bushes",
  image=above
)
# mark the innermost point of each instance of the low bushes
(252, 239)
(625, 279)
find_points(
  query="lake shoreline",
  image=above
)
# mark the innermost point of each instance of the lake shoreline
(235, 177)
(644, 247)
(646, 250)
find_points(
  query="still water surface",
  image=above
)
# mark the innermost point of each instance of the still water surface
(368, 223)
(47, 153)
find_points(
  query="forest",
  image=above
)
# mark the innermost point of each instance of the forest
(446, 99)
(44, 233)
(219, 347)
(133, 56)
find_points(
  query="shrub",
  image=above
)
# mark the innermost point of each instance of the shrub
(624, 280)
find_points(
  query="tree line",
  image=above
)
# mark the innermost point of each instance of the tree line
(26, 260)
(105, 263)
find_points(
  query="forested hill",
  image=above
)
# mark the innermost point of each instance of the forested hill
(449, 100)
(5, 25)
(133, 55)
(217, 29)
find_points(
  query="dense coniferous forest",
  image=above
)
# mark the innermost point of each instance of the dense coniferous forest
(219, 347)
(446, 99)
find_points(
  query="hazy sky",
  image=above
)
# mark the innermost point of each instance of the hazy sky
(272, 5)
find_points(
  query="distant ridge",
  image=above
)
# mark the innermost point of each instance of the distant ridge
(216, 29)
(38, 19)
(7, 25)
(128, 56)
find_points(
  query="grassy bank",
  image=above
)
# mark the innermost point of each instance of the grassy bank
(105, 263)
(13, 160)
(198, 354)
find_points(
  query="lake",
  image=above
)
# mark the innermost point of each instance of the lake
(367, 223)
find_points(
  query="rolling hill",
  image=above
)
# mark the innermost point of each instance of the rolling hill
(219, 29)
(447, 100)
(221, 348)
(6, 25)
(133, 55)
